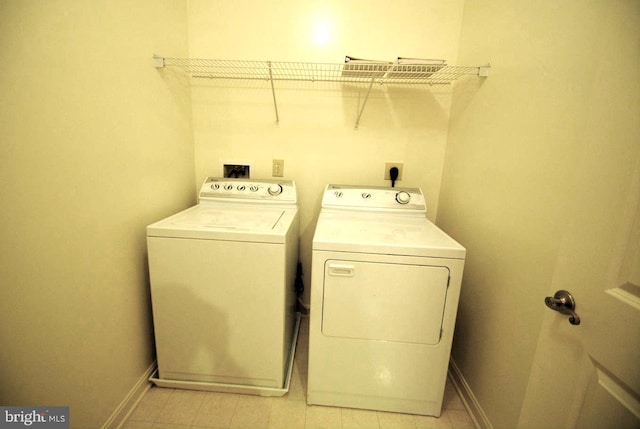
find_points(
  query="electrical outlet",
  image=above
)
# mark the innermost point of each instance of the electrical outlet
(277, 168)
(387, 167)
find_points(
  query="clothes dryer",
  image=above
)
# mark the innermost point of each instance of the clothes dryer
(222, 288)
(385, 284)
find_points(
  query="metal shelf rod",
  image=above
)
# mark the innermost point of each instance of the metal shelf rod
(273, 91)
(364, 103)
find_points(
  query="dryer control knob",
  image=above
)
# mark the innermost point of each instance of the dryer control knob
(275, 189)
(403, 197)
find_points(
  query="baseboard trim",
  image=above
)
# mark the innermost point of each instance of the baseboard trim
(480, 419)
(129, 403)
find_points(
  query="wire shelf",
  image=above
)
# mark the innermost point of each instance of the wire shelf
(383, 73)
(434, 72)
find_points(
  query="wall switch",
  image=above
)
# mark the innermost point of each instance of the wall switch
(277, 168)
(387, 167)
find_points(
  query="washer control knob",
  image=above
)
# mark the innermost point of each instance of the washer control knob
(215, 186)
(275, 189)
(254, 188)
(228, 187)
(403, 197)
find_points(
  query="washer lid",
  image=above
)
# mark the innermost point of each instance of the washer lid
(382, 233)
(227, 222)
(229, 218)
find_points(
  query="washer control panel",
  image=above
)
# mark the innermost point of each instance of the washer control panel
(374, 198)
(271, 191)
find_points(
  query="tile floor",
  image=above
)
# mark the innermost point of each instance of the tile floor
(163, 408)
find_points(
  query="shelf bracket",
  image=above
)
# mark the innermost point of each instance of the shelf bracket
(158, 62)
(273, 92)
(483, 71)
(364, 103)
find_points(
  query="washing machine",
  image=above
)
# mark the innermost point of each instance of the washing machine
(385, 284)
(223, 288)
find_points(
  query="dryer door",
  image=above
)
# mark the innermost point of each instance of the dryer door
(383, 301)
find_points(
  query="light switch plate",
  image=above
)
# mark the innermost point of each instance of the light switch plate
(277, 168)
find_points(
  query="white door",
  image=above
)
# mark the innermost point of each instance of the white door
(588, 375)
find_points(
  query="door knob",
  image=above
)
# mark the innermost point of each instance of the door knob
(563, 302)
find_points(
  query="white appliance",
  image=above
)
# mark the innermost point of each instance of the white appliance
(385, 284)
(222, 288)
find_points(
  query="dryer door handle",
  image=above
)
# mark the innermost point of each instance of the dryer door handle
(341, 270)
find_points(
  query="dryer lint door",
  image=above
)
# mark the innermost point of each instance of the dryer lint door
(384, 301)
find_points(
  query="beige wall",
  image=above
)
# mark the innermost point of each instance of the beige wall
(526, 149)
(90, 131)
(316, 136)
(95, 144)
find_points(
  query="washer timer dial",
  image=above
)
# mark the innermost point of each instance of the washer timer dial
(275, 189)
